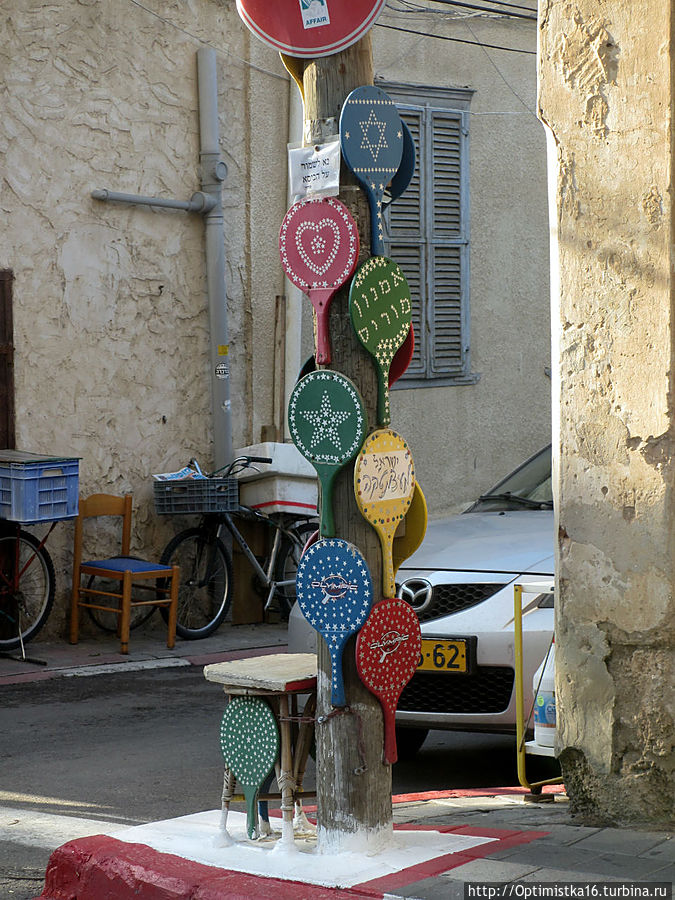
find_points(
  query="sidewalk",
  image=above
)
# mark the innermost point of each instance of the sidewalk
(147, 649)
(528, 843)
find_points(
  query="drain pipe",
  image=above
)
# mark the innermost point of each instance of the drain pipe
(213, 173)
(294, 296)
(208, 202)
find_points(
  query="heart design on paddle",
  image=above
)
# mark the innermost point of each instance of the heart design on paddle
(321, 246)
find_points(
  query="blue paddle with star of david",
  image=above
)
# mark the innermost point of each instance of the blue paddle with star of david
(335, 593)
(371, 137)
(328, 424)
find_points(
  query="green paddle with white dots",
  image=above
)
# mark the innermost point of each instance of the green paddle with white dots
(249, 739)
(380, 310)
(328, 424)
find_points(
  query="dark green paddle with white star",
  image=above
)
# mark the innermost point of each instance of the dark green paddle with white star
(328, 424)
(249, 739)
(380, 310)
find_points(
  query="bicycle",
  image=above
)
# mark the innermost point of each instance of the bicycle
(26, 586)
(205, 594)
(34, 489)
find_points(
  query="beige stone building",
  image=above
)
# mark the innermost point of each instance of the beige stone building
(109, 301)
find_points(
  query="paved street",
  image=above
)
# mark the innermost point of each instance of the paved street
(87, 754)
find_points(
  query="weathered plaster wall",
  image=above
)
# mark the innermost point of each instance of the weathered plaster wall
(110, 305)
(606, 95)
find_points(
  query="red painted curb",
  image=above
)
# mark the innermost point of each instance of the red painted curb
(103, 868)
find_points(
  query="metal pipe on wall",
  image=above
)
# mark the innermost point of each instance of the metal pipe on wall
(294, 300)
(213, 173)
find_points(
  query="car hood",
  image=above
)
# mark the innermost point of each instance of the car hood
(516, 542)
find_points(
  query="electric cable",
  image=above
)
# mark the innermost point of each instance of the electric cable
(499, 12)
(442, 37)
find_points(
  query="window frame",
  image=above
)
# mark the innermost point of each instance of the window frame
(427, 101)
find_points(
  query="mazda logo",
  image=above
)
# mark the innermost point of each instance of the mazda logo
(418, 592)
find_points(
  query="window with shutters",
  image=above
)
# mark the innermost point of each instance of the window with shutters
(428, 232)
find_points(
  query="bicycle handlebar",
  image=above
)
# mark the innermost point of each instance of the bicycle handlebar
(243, 461)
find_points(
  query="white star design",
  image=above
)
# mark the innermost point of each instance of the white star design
(326, 422)
(373, 122)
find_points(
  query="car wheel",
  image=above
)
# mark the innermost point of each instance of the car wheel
(409, 741)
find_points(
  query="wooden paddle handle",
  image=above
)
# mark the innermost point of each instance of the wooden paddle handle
(375, 203)
(327, 522)
(337, 694)
(390, 748)
(388, 583)
(323, 354)
(383, 410)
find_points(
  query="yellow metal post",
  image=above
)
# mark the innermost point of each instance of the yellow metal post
(521, 728)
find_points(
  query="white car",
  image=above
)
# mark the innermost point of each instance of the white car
(460, 582)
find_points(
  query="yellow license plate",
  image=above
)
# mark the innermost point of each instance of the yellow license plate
(444, 656)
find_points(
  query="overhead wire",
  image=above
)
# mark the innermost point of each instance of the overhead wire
(488, 9)
(503, 77)
(443, 37)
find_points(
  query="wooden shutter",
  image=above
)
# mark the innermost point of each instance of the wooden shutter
(407, 228)
(446, 130)
(428, 239)
(446, 311)
(448, 247)
(447, 351)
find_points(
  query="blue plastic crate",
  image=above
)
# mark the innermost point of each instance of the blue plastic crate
(37, 489)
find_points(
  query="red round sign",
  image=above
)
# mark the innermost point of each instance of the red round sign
(309, 28)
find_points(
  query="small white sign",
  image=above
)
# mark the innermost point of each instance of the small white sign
(314, 169)
(386, 476)
(314, 13)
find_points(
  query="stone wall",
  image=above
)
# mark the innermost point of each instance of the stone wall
(605, 95)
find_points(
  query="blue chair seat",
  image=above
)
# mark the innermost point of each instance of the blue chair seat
(126, 563)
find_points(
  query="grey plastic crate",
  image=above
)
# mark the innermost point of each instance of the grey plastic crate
(196, 495)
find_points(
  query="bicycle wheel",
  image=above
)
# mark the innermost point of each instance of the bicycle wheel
(205, 591)
(287, 563)
(108, 621)
(26, 597)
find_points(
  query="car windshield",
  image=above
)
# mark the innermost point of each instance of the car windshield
(529, 487)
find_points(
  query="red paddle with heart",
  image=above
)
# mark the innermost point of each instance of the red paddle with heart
(319, 247)
(387, 654)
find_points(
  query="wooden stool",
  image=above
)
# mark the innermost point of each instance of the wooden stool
(279, 679)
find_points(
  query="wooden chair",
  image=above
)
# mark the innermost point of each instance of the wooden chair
(129, 571)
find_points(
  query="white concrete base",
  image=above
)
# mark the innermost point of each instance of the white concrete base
(196, 837)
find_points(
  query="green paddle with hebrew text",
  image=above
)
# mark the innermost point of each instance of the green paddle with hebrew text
(380, 310)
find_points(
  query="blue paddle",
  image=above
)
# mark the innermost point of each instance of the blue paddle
(405, 171)
(335, 593)
(371, 136)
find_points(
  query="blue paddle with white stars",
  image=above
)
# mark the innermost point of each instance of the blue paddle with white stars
(371, 137)
(335, 592)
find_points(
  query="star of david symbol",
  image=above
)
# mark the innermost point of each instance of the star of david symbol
(326, 422)
(373, 124)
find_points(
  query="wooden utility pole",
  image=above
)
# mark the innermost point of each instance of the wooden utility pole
(353, 784)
